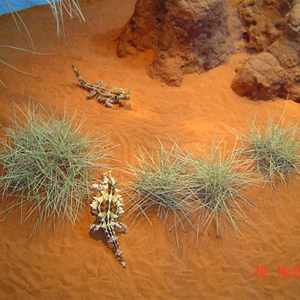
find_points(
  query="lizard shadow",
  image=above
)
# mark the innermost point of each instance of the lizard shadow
(98, 235)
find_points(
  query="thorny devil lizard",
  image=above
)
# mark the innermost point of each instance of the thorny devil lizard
(107, 208)
(107, 95)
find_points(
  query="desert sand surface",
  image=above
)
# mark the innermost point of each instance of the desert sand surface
(69, 263)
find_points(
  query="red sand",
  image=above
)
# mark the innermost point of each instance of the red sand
(68, 263)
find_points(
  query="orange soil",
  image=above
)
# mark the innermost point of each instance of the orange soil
(69, 263)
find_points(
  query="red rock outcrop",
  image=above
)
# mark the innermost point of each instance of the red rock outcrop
(261, 77)
(294, 18)
(264, 21)
(193, 36)
(186, 36)
(271, 27)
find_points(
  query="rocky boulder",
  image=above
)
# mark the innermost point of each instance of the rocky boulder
(271, 28)
(294, 18)
(261, 77)
(185, 35)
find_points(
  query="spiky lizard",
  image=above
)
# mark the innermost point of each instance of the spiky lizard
(107, 95)
(107, 208)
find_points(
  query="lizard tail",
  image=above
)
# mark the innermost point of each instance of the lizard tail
(112, 239)
(118, 252)
(83, 83)
(120, 258)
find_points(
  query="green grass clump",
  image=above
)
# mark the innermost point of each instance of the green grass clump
(157, 182)
(204, 190)
(275, 149)
(47, 163)
(217, 183)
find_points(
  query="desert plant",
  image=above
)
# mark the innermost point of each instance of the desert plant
(157, 183)
(47, 164)
(274, 148)
(217, 182)
(17, 69)
(71, 7)
(58, 7)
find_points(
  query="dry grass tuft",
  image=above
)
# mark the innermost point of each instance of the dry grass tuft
(157, 183)
(210, 186)
(275, 149)
(71, 7)
(47, 163)
(217, 183)
(58, 8)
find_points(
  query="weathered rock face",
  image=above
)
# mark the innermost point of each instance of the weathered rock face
(294, 18)
(141, 32)
(186, 36)
(272, 27)
(192, 36)
(264, 21)
(261, 77)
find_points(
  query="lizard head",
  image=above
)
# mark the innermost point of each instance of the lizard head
(125, 96)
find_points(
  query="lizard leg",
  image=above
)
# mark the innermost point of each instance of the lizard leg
(124, 105)
(93, 227)
(108, 103)
(92, 94)
(99, 83)
(122, 226)
(101, 99)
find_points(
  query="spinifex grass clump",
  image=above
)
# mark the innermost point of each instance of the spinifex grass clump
(46, 163)
(217, 183)
(275, 149)
(157, 182)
